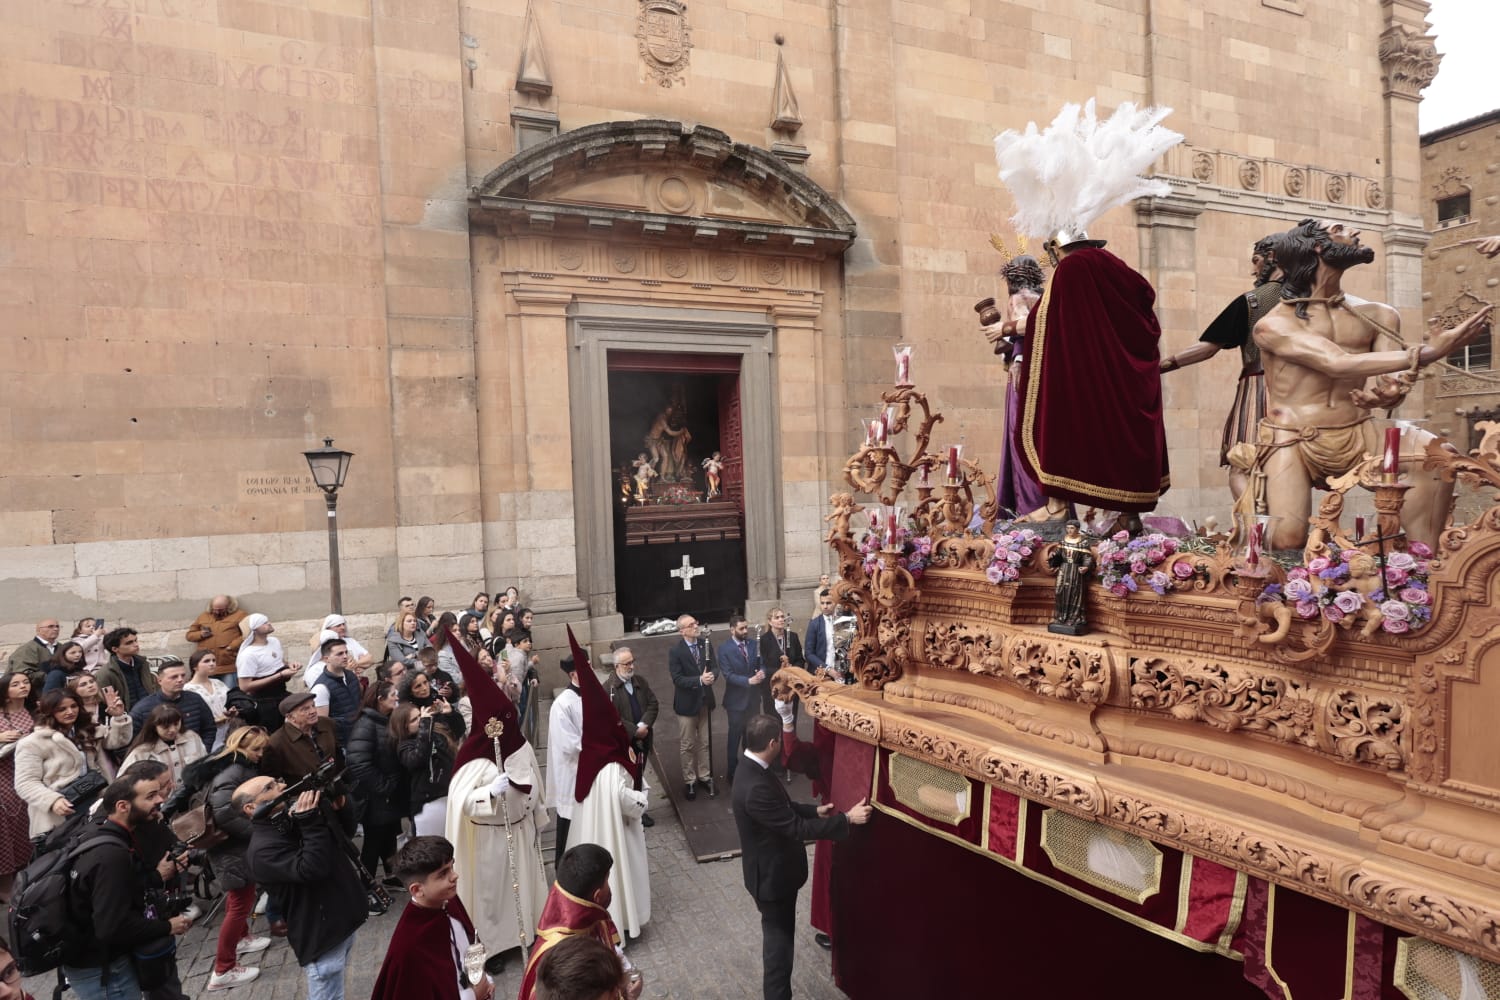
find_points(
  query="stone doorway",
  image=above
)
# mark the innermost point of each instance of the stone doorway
(679, 537)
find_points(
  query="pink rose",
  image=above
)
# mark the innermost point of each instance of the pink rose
(1121, 536)
(1318, 565)
(1170, 545)
(1119, 590)
(1333, 613)
(1422, 567)
(1411, 595)
(1297, 573)
(1182, 569)
(1307, 609)
(1395, 627)
(1395, 611)
(1348, 602)
(1420, 550)
(994, 573)
(1137, 566)
(1401, 560)
(1396, 577)
(1156, 555)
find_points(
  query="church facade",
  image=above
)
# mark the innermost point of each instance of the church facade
(500, 250)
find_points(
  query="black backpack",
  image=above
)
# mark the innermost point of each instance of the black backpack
(38, 921)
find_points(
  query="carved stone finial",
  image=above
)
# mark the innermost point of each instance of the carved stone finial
(1408, 61)
(532, 76)
(786, 115)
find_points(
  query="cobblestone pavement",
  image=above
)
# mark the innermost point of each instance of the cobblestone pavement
(703, 941)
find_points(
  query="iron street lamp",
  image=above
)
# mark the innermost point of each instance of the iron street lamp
(329, 466)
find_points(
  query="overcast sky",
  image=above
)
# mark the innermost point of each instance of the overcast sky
(1468, 83)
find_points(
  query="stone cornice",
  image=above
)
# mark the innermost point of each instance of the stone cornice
(1228, 181)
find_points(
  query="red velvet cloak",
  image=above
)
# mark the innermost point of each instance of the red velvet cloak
(1090, 427)
(419, 960)
(565, 914)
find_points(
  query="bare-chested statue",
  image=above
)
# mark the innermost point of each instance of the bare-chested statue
(1318, 349)
(666, 445)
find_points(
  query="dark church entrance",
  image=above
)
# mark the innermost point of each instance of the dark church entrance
(676, 451)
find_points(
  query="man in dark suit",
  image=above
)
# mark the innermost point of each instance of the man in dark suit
(773, 830)
(636, 703)
(691, 663)
(817, 644)
(739, 658)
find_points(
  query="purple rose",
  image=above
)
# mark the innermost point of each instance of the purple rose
(1318, 565)
(1395, 611)
(1396, 577)
(1401, 560)
(1121, 537)
(1297, 573)
(1333, 613)
(1160, 582)
(1118, 590)
(1137, 566)
(1182, 569)
(1420, 550)
(1307, 609)
(1348, 602)
(1395, 627)
(995, 574)
(1299, 590)
(1411, 595)
(1013, 557)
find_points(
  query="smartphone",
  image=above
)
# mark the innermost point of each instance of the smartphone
(98, 623)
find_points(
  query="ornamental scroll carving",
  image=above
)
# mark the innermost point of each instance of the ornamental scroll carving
(1229, 700)
(961, 646)
(1059, 670)
(1367, 728)
(1408, 61)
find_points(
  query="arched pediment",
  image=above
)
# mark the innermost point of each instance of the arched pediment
(665, 180)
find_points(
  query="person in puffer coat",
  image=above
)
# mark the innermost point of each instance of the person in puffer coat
(380, 783)
(243, 749)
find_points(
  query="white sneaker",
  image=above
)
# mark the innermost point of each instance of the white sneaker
(251, 945)
(193, 912)
(237, 976)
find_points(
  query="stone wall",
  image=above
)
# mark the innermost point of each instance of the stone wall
(229, 228)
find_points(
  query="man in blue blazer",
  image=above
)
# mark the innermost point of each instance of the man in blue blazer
(691, 664)
(739, 659)
(817, 642)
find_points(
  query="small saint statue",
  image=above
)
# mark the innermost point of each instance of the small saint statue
(1073, 560)
(712, 466)
(644, 473)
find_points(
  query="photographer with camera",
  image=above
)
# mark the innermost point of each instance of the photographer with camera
(298, 856)
(124, 943)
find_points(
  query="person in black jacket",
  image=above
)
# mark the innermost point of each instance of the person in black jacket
(379, 781)
(691, 664)
(108, 898)
(426, 750)
(239, 762)
(773, 830)
(296, 855)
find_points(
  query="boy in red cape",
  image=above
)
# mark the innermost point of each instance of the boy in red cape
(577, 905)
(434, 953)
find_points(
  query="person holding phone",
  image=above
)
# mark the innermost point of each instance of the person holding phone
(217, 631)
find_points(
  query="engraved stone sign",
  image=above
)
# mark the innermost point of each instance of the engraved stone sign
(664, 39)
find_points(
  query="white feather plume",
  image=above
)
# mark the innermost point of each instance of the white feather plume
(1078, 168)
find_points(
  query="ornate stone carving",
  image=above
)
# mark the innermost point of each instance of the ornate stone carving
(623, 261)
(1225, 699)
(674, 263)
(569, 256)
(1295, 182)
(1059, 670)
(772, 270)
(1452, 181)
(725, 267)
(1335, 188)
(1250, 175)
(960, 646)
(1408, 61)
(664, 39)
(1375, 195)
(1203, 167)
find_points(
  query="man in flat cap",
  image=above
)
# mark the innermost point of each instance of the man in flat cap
(303, 743)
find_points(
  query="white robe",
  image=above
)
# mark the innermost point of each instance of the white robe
(564, 743)
(476, 828)
(611, 817)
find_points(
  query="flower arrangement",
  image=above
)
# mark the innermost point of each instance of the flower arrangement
(1342, 585)
(1012, 549)
(916, 551)
(1127, 564)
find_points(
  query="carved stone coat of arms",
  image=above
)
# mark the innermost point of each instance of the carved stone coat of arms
(664, 39)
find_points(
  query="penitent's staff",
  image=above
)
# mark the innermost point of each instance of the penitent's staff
(493, 729)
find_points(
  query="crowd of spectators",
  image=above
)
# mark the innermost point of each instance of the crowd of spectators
(96, 735)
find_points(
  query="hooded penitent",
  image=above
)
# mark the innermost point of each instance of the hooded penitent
(604, 737)
(489, 704)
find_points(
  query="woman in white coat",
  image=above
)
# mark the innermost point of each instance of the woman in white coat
(58, 752)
